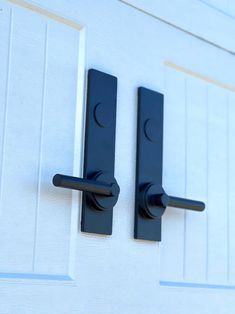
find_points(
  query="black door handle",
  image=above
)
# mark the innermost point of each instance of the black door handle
(185, 203)
(100, 185)
(100, 189)
(151, 200)
(154, 200)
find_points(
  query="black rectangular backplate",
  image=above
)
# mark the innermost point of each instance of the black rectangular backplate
(99, 144)
(149, 158)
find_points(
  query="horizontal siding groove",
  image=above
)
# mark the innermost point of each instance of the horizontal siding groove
(213, 7)
(183, 15)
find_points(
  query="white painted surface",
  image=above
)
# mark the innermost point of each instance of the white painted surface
(201, 242)
(208, 20)
(46, 264)
(219, 4)
(39, 60)
(225, 6)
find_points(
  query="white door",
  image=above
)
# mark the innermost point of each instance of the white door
(46, 264)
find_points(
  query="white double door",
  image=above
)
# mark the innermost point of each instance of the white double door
(46, 264)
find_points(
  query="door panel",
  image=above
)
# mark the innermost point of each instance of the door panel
(199, 165)
(191, 270)
(39, 61)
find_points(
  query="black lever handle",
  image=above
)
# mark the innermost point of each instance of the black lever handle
(85, 185)
(151, 200)
(178, 202)
(100, 189)
(99, 185)
(154, 201)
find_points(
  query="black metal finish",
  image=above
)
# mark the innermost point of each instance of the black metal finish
(179, 202)
(99, 151)
(100, 188)
(85, 185)
(151, 200)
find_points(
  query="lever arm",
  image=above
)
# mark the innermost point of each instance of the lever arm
(102, 189)
(85, 185)
(178, 202)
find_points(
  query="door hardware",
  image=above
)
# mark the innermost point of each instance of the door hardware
(100, 188)
(97, 188)
(151, 199)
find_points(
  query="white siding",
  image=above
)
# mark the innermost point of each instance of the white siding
(226, 6)
(199, 150)
(38, 60)
(219, 4)
(209, 20)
